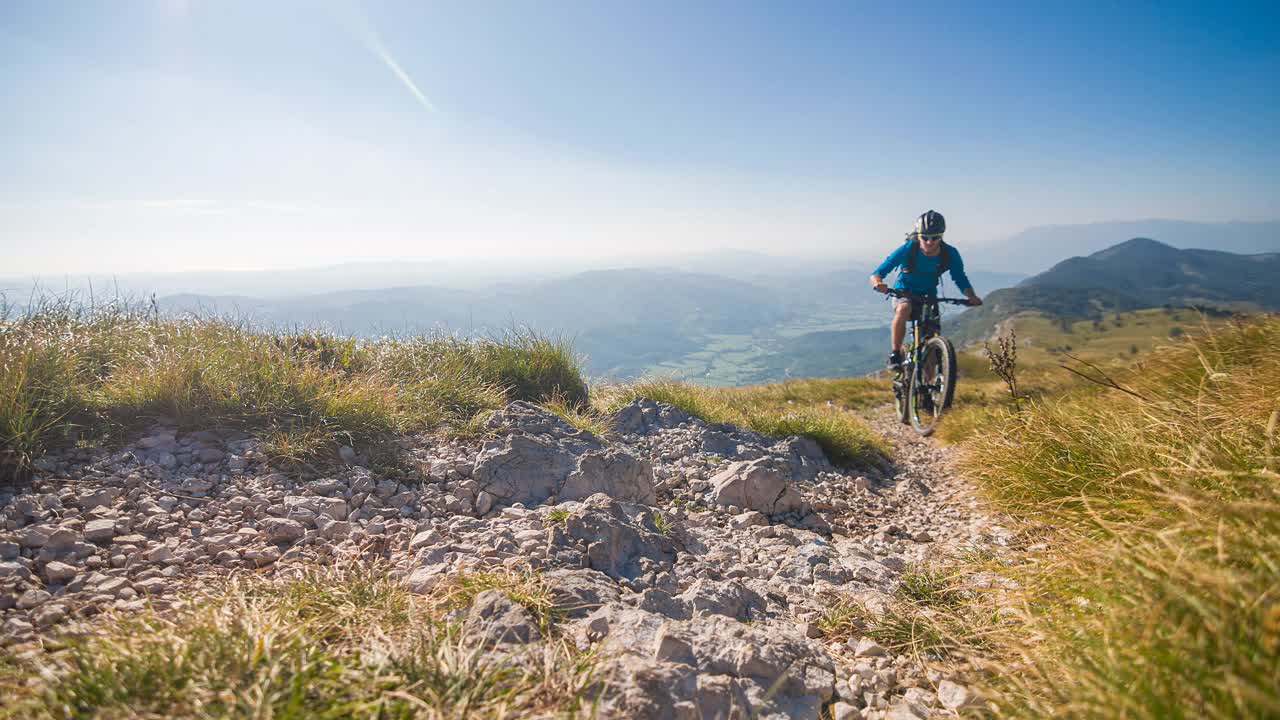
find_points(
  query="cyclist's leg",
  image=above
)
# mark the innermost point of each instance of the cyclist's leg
(898, 329)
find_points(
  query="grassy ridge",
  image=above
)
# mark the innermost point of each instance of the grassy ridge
(68, 374)
(1159, 596)
(811, 408)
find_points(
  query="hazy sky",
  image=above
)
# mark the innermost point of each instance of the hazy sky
(183, 134)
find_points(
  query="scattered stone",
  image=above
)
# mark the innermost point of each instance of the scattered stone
(60, 573)
(32, 598)
(151, 586)
(845, 711)
(757, 485)
(501, 620)
(282, 530)
(866, 647)
(954, 696)
(100, 531)
(426, 538)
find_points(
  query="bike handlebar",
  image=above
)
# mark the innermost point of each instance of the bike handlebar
(908, 295)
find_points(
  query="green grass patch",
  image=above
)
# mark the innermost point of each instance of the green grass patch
(580, 416)
(522, 586)
(933, 612)
(809, 408)
(72, 375)
(332, 644)
(1158, 595)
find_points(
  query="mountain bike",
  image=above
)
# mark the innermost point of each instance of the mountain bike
(926, 381)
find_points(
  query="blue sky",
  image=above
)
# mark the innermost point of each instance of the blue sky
(184, 134)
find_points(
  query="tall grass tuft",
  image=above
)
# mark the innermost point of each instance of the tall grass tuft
(1160, 594)
(70, 373)
(809, 408)
(346, 642)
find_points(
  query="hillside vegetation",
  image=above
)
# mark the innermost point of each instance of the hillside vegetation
(1157, 594)
(1137, 273)
(70, 375)
(1112, 342)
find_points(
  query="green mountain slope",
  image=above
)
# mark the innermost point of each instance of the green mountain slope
(1138, 273)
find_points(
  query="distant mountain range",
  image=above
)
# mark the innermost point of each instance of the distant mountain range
(1036, 249)
(1138, 273)
(730, 317)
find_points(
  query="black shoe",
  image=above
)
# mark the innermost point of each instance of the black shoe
(895, 360)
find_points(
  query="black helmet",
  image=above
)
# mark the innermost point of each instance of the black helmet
(931, 223)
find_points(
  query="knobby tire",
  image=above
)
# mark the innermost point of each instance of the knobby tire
(902, 397)
(927, 398)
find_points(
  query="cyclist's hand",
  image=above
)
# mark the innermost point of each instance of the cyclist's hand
(975, 301)
(882, 288)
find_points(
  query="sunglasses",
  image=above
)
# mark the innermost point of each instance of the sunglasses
(930, 238)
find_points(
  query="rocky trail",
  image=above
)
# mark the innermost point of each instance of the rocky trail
(696, 559)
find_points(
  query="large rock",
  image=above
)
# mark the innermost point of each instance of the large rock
(577, 593)
(804, 457)
(643, 415)
(542, 457)
(617, 545)
(755, 485)
(499, 620)
(616, 473)
(282, 530)
(729, 598)
(524, 469)
(99, 531)
(738, 670)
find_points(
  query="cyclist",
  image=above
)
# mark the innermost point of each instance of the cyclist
(921, 261)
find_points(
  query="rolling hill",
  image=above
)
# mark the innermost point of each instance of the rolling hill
(1038, 248)
(1138, 273)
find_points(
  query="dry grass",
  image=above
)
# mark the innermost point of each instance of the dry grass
(1160, 594)
(581, 416)
(809, 408)
(935, 612)
(70, 374)
(1115, 343)
(332, 644)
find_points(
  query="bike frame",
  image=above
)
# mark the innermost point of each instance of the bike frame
(931, 320)
(928, 326)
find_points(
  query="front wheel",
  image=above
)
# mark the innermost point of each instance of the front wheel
(933, 385)
(902, 396)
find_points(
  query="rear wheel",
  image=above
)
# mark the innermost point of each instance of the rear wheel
(933, 385)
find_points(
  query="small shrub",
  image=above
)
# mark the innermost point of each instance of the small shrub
(582, 417)
(843, 618)
(662, 524)
(929, 585)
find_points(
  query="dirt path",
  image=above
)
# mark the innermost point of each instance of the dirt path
(931, 494)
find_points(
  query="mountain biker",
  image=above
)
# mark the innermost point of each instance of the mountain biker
(921, 260)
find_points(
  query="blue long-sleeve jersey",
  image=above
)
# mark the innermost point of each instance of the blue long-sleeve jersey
(924, 281)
